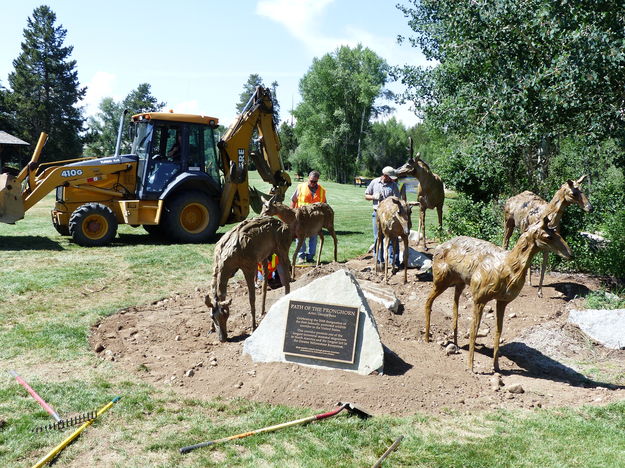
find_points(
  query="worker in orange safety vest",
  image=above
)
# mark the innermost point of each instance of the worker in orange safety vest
(305, 194)
(272, 267)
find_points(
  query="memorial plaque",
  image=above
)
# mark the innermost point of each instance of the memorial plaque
(321, 331)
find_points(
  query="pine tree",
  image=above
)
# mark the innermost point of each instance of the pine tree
(45, 88)
(249, 87)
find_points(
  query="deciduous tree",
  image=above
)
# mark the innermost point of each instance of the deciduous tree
(517, 77)
(338, 94)
(103, 127)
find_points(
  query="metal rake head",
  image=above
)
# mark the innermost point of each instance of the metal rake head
(69, 422)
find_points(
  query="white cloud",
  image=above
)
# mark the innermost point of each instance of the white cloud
(300, 19)
(100, 86)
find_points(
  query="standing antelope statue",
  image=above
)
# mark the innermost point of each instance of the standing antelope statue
(431, 191)
(491, 273)
(526, 208)
(393, 220)
(249, 243)
(304, 221)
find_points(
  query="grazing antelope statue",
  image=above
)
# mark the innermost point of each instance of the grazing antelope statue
(304, 221)
(526, 208)
(393, 220)
(431, 191)
(243, 247)
(490, 272)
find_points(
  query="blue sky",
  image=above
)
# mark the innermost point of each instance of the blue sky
(197, 54)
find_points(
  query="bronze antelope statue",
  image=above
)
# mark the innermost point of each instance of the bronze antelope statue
(490, 272)
(304, 221)
(431, 191)
(251, 242)
(393, 220)
(526, 208)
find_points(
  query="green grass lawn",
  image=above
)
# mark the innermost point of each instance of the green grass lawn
(52, 291)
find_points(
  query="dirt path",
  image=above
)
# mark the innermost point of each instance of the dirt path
(168, 344)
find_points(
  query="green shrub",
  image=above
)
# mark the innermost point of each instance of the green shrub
(606, 300)
(475, 219)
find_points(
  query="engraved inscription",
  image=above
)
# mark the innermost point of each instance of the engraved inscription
(321, 331)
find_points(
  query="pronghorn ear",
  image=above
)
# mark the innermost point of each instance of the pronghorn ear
(208, 302)
(545, 223)
(570, 183)
(225, 303)
(402, 192)
(265, 201)
(582, 178)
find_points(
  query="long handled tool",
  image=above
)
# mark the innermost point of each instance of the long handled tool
(75, 434)
(59, 422)
(34, 394)
(343, 406)
(389, 450)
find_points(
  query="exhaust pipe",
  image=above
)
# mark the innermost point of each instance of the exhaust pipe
(119, 132)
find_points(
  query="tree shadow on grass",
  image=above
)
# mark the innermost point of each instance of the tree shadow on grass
(347, 233)
(148, 239)
(17, 243)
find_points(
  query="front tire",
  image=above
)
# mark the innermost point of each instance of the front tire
(93, 225)
(190, 217)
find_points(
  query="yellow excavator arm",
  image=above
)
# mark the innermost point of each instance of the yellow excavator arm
(20, 193)
(235, 157)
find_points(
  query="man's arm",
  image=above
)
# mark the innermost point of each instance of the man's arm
(294, 198)
(369, 195)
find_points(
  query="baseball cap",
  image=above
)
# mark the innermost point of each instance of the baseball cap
(389, 171)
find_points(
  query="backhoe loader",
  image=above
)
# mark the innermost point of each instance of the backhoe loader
(177, 182)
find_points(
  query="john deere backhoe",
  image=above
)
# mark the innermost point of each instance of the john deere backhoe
(177, 182)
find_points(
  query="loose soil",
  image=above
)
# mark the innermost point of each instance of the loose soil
(169, 344)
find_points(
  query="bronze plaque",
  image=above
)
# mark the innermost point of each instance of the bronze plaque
(321, 331)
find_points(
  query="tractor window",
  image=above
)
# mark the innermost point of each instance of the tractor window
(165, 158)
(211, 166)
(196, 147)
(142, 140)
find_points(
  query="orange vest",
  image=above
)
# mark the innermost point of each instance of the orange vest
(272, 265)
(306, 197)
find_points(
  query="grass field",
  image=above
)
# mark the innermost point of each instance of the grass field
(48, 291)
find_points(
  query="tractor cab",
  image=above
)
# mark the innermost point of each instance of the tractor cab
(171, 147)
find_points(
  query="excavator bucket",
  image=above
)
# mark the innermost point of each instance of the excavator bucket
(11, 202)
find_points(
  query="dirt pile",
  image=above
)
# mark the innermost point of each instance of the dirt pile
(168, 344)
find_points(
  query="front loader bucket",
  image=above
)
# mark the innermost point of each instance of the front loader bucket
(11, 203)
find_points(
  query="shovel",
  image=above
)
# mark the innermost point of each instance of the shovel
(343, 406)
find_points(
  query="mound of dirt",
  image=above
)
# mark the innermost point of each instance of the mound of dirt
(168, 343)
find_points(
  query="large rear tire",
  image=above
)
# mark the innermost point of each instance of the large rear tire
(190, 217)
(93, 225)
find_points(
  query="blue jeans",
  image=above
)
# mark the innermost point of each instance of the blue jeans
(393, 247)
(308, 249)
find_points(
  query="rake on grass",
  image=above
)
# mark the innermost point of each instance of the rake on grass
(54, 452)
(59, 423)
(343, 406)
